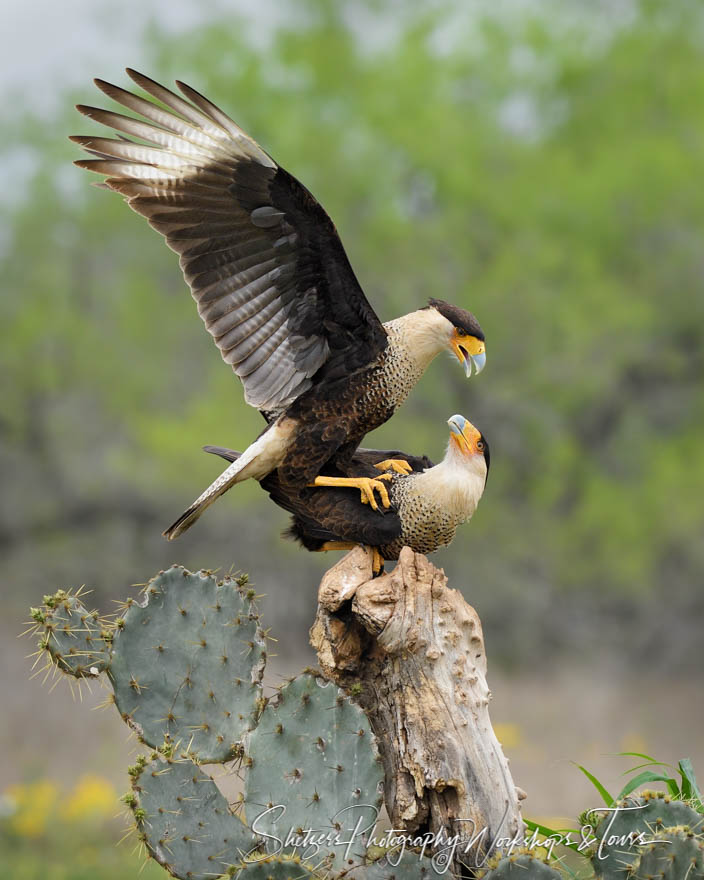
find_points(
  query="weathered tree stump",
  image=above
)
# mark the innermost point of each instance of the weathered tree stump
(412, 652)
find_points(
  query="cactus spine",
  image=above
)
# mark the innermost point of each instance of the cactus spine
(75, 639)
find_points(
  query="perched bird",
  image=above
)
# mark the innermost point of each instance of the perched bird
(273, 286)
(428, 501)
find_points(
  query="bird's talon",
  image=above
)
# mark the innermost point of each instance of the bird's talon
(377, 562)
(366, 486)
(381, 489)
(397, 465)
(367, 492)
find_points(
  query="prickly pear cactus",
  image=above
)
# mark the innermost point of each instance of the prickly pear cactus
(637, 818)
(77, 641)
(674, 854)
(523, 865)
(313, 754)
(187, 663)
(276, 868)
(184, 820)
(409, 867)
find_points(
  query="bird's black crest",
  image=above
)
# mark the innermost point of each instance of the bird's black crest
(459, 318)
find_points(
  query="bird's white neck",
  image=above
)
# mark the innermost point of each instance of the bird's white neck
(455, 485)
(422, 335)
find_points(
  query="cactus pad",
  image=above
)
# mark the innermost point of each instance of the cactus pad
(677, 853)
(76, 639)
(410, 867)
(187, 664)
(313, 752)
(275, 868)
(184, 820)
(646, 815)
(521, 866)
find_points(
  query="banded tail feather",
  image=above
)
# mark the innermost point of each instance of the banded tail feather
(259, 459)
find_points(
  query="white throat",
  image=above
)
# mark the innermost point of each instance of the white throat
(456, 484)
(422, 335)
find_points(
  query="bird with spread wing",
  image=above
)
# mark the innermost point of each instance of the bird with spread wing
(274, 288)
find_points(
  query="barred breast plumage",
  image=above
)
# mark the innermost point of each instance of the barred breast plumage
(426, 526)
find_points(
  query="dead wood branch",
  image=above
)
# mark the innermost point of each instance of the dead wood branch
(412, 652)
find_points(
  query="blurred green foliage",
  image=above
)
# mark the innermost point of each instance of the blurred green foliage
(544, 173)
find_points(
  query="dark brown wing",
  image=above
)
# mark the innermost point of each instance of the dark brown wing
(262, 258)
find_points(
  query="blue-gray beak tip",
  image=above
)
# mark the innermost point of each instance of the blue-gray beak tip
(479, 361)
(457, 423)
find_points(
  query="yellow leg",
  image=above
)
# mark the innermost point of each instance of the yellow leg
(377, 558)
(397, 465)
(366, 485)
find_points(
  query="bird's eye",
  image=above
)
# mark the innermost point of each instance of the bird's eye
(480, 445)
(461, 332)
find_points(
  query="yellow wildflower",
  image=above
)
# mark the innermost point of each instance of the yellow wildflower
(93, 797)
(33, 806)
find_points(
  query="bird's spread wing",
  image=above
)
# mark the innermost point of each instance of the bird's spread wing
(262, 258)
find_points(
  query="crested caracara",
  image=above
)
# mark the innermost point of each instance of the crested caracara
(273, 286)
(428, 501)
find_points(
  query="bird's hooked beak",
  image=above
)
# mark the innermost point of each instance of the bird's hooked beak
(465, 435)
(470, 352)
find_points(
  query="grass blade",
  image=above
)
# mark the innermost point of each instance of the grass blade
(647, 764)
(608, 800)
(690, 789)
(648, 776)
(551, 832)
(649, 758)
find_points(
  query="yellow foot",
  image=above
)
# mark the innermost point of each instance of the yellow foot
(377, 561)
(366, 485)
(397, 465)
